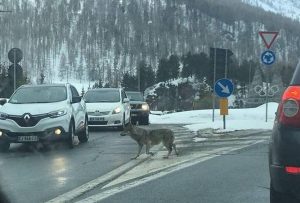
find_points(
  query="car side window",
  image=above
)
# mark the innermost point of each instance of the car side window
(74, 92)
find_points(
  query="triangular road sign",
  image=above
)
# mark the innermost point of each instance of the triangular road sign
(268, 38)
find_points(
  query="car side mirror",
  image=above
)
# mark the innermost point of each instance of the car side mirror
(76, 99)
(3, 101)
(126, 100)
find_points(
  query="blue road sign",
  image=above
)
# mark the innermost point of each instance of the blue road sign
(223, 87)
(268, 57)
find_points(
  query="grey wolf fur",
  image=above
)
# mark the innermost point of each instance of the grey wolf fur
(150, 137)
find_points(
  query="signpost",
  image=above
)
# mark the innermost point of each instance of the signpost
(15, 55)
(224, 88)
(268, 57)
(219, 57)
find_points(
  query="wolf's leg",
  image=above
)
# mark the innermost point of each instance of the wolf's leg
(169, 151)
(175, 149)
(148, 146)
(139, 151)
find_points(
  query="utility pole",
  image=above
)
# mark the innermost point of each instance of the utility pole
(139, 78)
(215, 68)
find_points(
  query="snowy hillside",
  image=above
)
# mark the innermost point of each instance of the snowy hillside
(288, 8)
(90, 40)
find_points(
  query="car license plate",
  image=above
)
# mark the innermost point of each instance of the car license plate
(28, 138)
(96, 119)
(133, 115)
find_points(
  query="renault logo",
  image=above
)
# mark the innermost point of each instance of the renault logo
(26, 118)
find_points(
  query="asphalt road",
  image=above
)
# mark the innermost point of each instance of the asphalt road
(240, 176)
(28, 174)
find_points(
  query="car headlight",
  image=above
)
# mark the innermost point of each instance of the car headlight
(117, 110)
(55, 114)
(145, 107)
(3, 116)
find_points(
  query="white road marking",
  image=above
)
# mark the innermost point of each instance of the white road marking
(105, 194)
(96, 182)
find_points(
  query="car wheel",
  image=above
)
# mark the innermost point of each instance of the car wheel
(4, 146)
(71, 136)
(84, 135)
(278, 197)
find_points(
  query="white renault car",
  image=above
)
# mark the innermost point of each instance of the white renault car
(107, 107)
(43, 113)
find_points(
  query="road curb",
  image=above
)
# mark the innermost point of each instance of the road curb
(77, 192)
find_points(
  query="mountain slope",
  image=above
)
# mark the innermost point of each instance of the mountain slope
(85, 40)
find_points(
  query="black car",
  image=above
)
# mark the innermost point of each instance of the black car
(284, 147)
(139, 108)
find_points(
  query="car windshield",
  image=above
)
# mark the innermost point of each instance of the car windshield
(135, 96)
(39, 94)
(102, 96)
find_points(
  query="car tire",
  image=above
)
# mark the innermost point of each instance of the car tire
(278, 197)
(84, 135)
(71, 136)
(4, 146)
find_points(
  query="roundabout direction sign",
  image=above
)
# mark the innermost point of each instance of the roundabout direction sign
(268, 57)
(223, 88)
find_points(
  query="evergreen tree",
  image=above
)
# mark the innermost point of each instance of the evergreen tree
(147, 75)
(98, 84)
(162, 73)
(200, 65)
(173, 66)
(129, 82)
(82, 91)
(245, 71)
(63, 67)
(187, 69)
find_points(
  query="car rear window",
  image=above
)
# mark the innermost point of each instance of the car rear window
(95, 96)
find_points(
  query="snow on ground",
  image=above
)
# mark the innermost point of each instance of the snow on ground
(238, 119)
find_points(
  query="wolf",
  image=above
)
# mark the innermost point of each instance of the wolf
(150, 137)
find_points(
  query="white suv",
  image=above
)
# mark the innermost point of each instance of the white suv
(43, 113)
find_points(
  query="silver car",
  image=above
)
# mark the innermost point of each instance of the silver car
(43, 113)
